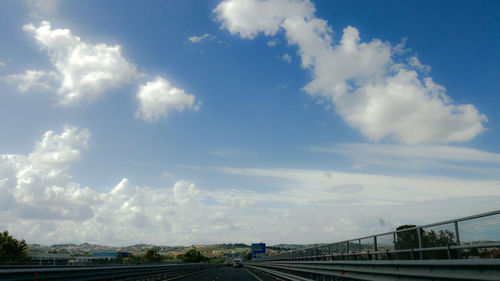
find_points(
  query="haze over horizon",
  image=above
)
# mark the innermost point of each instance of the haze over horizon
(283, 121)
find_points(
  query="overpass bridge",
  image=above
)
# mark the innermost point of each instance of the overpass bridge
(466, 248)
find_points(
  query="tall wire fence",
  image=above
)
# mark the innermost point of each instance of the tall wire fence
(475, 236)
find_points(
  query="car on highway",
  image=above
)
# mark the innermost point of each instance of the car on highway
(237, 263)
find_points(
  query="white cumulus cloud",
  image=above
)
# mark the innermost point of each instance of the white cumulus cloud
(158, 97)
(83, 71)
(370, 90)
(42, 202)
(39, 183)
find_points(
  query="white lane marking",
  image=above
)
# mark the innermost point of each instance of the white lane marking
(255, 276)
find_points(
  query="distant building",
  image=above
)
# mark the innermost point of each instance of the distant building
(109, 255)
(53, 259)
(80, 260)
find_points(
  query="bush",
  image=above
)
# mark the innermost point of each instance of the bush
(12, 250)
(194, 256)
(152, 256)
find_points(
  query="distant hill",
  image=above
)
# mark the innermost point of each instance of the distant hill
(88, 248)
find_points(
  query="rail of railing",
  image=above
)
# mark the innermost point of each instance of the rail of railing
(341, 270)
(141, 272)
(475, 236)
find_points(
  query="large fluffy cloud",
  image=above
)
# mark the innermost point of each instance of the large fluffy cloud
(370, 89)
(83, 71)
(41, 202)
(39, 183)
(157, 97)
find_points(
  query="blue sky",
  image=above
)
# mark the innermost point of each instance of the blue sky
(227, 121)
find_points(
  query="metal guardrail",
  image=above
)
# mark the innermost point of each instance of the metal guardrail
(448, 250)
(143, 272)
(472, 270)
(475, 236)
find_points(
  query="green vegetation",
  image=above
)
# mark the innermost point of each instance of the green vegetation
(229, 246)
(132, 259)
(152, 256)
(194, 256)
(409, 239)
(406, 239)
(248, 256)
(489, 253)
(12, 250)
(217, 260)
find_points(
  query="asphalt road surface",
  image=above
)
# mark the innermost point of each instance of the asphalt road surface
(225, 273)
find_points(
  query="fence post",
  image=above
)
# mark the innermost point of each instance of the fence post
(459, 251)
(375, 246)
(359, 256)
(394, 243)
(419, 232)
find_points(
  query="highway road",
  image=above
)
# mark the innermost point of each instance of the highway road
(225, 273)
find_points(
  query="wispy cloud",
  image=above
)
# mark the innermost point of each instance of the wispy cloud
(231, 152)
(43, 8)
(311, 185)
(198, 39)
(166, 175)
(418, 156)
(286, 58)
(394, 199)
(413, 61)
(283, 85)
(272, 43)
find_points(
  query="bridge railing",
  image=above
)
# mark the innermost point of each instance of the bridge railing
(475, 236)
